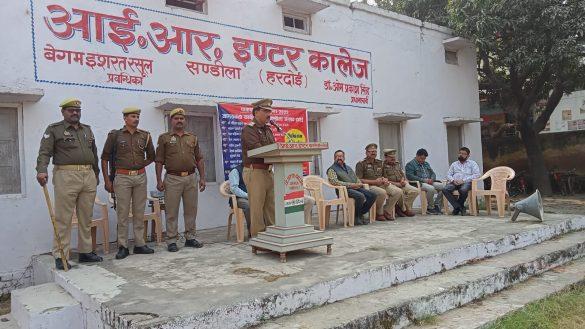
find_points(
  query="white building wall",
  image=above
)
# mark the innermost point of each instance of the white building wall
(408, 73)
(569, 115)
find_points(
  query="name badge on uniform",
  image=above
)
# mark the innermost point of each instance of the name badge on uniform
(66, 133)
(173, 140)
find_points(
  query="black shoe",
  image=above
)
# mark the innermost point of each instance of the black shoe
(437, 210)
(123, 252)
(90, 257)
(456, 211)
(143, 250)
(193, 243)
(463, 212)
(59, 264)
(358, 221)
(172, 247)
(431, 211)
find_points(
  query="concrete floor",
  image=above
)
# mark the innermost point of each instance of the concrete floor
(224, 273)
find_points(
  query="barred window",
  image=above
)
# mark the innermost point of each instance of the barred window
(10, 179)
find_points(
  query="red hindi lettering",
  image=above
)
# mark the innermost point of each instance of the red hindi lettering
(123, 28)
(70, 28)
(241, 50)
(320, 61)
(163, 36)
(345, 63)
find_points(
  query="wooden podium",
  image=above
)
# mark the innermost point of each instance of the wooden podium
(290, 232)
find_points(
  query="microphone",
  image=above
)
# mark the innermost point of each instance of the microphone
(272, 122)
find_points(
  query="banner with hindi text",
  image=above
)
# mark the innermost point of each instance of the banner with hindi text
(233, 117)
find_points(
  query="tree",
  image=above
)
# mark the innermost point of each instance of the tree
(529, 52)
(434, 11)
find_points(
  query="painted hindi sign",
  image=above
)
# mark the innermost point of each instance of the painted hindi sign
(233, 117)
(120, 45)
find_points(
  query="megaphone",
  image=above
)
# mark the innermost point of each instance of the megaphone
(532, 205)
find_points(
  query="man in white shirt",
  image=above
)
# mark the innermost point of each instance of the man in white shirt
(238, 188)
(459, 178)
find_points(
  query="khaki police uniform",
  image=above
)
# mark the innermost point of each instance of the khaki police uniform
(133, 152)
(374, 170)
(179, 154)
(394, 173)
(75, 172)
(258, 177)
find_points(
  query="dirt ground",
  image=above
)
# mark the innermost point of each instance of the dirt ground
(574, 204)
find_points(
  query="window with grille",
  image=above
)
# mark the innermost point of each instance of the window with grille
(296, 23)
(10, 180)
(196, 5)
(451, 57)
(390, 138)
(315, 165)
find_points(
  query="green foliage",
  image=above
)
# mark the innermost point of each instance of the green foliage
(530, 54)
(433, 11)
(529, 50)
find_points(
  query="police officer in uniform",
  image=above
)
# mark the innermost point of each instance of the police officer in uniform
(393, 172)
(369, 171)
(178, 151)
(71, 144)
(131, 150)
(257, 175)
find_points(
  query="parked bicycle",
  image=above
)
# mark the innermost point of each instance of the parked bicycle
(517, 186)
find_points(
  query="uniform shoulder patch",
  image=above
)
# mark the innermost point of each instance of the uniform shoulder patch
(54, 124)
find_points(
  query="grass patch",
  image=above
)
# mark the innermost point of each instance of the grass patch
(565, 310)
(426, 320)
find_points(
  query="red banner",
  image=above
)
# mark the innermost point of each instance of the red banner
(233, 117)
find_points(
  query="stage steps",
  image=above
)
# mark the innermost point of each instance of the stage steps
(489, 310)
(399, 306)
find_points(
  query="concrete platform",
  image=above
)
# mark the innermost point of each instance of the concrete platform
(46, 306)
(8, 322)
(224, 285)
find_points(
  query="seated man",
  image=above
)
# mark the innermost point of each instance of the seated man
(238, 188)
(369, 171)
(395, 175)
(341, 174)
(459, 178)
(309, 203)
(418, 169)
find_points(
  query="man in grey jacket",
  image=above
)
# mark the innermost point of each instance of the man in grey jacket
(418, 169)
